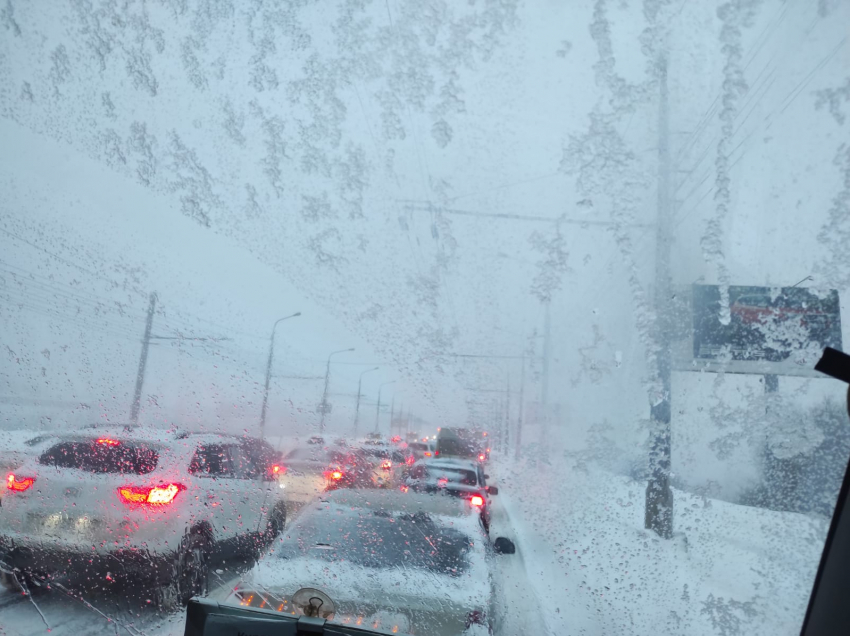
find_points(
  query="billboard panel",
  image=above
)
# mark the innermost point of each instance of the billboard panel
(766, 330)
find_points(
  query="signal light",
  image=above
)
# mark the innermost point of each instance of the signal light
(153, 495)
(18, 484)
(105, 441)
(477, 501)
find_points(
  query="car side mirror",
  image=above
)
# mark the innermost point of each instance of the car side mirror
(486, 476)
(503, 545)
(492, 490)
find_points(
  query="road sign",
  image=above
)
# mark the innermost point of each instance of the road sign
(766, 330)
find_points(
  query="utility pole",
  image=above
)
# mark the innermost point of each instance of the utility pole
(659, 496)
(378, 409)
(519, 416)
(269, 375)
(324, 407)
(357, 408)
(547, 342)
(507, 424)
(143, 361)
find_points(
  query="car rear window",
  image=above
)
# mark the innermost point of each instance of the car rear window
(377, 539)
(91, 456)
(451, 474)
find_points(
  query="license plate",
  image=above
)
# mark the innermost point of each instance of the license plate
(61, 524)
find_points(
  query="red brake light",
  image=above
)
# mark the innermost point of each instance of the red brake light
(427, 453)
(108, 442)
(278, 470)
(410, 459)
(386, 464)
(477, 501)
(153, 495)
(481, 457)
(476, 617)
(18, 484)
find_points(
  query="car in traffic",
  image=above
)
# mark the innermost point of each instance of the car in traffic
(389, 561)
(308, 471)
(461, 478)
(388, 463)
(142, 505)
(462, 442)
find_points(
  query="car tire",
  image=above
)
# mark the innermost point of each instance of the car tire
(189, 573)
(276, 523)
(13, 583)
(9, 582)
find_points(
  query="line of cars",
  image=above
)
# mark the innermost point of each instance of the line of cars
(106, 505)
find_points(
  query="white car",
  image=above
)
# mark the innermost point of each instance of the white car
(143, 505)
(383, 559)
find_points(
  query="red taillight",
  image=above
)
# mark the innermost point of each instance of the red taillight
(427, 453)
(476, 500)
(481, 457)
(436, 453)
(151, 495)
(18, 484)
(476, 617)
(410, 459)
(278, 470)
(386, 464)
(105, 441)
(336, 475)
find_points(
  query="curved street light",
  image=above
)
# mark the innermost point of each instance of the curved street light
(378, 410)
(357, 408)
(269, 372)
(324, 404)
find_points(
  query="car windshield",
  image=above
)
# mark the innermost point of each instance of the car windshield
(567, 266)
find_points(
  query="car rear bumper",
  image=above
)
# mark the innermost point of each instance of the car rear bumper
(120, 564)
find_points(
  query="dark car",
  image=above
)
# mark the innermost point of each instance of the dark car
(312, 470)
(458, 477)
(462, 442)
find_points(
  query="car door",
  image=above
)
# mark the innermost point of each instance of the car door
(212, 464)
(252, 492)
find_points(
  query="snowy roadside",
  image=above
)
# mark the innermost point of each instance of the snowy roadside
(729, 569)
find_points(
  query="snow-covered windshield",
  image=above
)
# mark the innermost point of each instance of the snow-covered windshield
(258, 253)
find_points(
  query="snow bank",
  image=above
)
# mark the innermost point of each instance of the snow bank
(729, 569)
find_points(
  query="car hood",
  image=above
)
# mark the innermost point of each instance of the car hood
(411, 600)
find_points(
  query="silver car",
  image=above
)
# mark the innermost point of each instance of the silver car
(387, 560)
(140, 505)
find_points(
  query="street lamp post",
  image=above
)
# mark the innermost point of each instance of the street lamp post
(357, 408)
(378, 410)
(269, 373)
(324, 404)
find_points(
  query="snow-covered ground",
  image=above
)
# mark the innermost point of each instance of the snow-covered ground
(729, 569)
